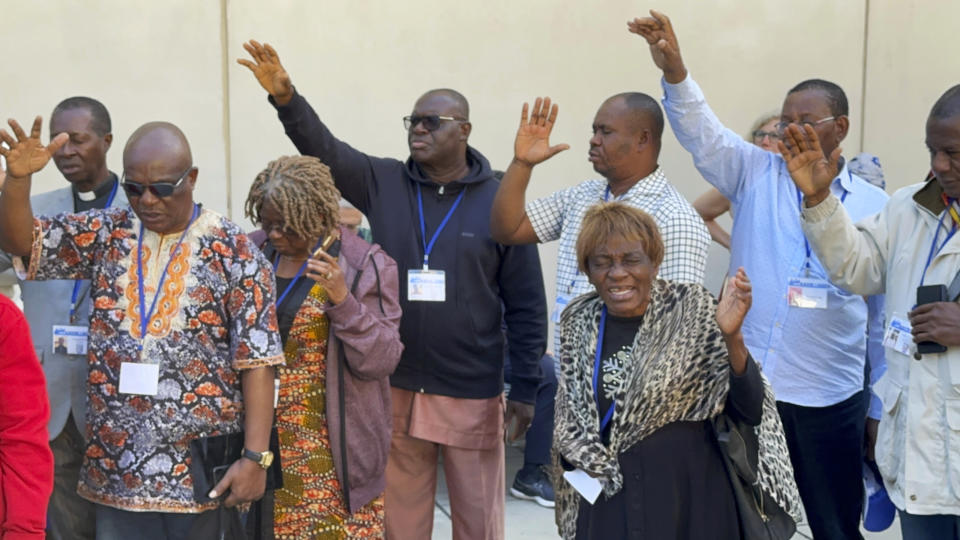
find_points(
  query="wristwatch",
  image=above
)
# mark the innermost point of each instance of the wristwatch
(263, 459)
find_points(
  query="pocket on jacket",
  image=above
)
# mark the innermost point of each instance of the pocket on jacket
(953, 442)
(888, 455)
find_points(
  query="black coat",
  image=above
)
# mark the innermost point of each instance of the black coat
(452, 348)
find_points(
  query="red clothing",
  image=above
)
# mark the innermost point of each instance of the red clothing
(26, 462)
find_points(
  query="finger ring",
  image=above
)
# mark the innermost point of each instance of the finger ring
(329, 275)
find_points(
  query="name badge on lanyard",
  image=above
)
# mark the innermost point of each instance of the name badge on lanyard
(144, 378)
(428, 285)
(71, 340)
(807, 292)
(898, 336)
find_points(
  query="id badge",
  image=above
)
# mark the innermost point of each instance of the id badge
(562, 301)
(807, 293)
(587, 486)
(898, 336)
(140, 379)
(70, 340)
(426, 285)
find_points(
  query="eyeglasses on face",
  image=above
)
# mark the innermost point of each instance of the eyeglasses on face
(430, 121)
(759, 134)
(158, 189)
(782, 126)
(282, 228)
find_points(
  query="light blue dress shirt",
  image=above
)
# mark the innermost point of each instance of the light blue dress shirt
(812, 357)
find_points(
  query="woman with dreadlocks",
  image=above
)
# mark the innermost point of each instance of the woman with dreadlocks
(339, 316)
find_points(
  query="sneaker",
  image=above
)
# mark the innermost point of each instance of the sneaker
(538, 489)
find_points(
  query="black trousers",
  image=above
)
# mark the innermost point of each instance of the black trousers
(826, 449)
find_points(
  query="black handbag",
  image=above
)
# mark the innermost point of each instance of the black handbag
(760, 517)
(210, 457)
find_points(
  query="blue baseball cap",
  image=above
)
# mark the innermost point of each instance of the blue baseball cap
(878, 511)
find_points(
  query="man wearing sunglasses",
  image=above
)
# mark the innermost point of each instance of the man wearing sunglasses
(431, 214)
(182, 331)
(812, 342)
(60, 306)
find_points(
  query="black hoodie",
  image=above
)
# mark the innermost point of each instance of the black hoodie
(452, 348)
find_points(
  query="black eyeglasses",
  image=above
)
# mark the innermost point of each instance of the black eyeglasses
(430, 121)
(158, 189)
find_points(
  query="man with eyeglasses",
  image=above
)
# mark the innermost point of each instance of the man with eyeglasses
(812, 343)
(182, 331)
(59, 307)
(908, 248)
(431, 214)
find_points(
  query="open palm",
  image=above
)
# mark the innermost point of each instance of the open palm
(532, 144)
(811, 171)
(734, 303)
(268, 70)
(27, 155)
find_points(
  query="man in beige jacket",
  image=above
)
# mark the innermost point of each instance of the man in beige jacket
(911, 243)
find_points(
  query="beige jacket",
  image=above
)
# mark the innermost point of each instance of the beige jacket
(918, 446)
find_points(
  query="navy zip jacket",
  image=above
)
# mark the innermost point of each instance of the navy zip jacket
(452, 348)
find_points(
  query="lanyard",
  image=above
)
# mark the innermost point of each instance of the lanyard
(296, 278)
(144, 316)
(596, 372)
(606, 195)
(75, 295)
(934, 250)
(427, 248)
(806, 243)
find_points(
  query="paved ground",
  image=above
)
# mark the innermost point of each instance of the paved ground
(528, 520)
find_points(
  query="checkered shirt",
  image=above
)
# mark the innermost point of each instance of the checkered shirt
(685, 237)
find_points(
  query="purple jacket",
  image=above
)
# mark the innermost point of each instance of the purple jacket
(365, 338)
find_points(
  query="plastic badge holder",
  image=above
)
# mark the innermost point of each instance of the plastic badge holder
(878, 511)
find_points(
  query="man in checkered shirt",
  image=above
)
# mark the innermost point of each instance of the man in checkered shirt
(624, 150)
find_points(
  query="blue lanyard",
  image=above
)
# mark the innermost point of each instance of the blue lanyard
(76, 284)
(806, 243)
(934, 250)
(144, 316)
(596, 372)
(427, 248)
(606, 195)
(296, 278)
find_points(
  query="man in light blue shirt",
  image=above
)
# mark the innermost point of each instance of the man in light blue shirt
(810, 337)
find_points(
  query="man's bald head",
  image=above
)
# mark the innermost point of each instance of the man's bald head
(156, 157)
(155, 140)
(948, 105)
(461, 104)
(644, 113)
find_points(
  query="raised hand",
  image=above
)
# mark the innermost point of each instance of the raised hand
(532, 145)
(664, 48)
(27, 155)
(268, 70)
(811, 171)
(734, 303)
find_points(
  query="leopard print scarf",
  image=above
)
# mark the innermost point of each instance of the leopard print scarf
(678, 371)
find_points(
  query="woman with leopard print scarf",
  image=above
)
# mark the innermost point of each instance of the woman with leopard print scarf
(645, 364)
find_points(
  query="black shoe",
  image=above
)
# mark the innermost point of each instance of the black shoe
(536, 488)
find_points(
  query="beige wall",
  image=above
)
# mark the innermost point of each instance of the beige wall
(363, 63)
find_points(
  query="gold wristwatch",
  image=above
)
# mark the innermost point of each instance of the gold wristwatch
(263, 459)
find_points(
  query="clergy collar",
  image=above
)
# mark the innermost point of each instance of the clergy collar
(101, 191)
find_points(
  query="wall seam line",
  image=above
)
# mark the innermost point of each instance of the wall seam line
(225, 75)
(863, 80)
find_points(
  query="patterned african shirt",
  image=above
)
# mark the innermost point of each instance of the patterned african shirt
(215, 317)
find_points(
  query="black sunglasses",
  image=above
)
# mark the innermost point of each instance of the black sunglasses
(158, 189)
(430, 121)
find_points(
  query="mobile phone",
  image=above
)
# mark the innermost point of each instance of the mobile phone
(928, 294)
(330, 245)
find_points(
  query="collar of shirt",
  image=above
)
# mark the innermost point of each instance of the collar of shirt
(652, 184)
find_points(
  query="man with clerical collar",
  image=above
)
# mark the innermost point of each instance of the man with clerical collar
(57, 308)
